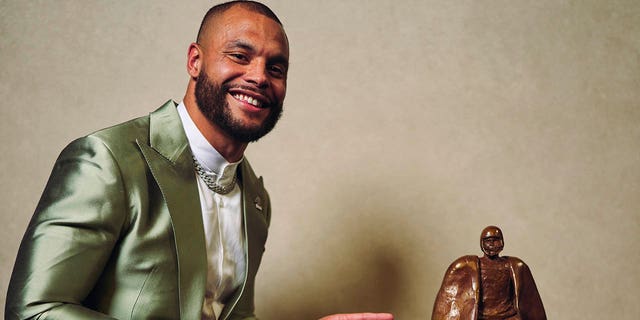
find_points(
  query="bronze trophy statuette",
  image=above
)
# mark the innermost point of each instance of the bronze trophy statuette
(490, 287)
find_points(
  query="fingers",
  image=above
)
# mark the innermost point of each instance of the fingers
(359, 316)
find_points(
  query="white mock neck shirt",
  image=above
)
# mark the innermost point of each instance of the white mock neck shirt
(222, 219)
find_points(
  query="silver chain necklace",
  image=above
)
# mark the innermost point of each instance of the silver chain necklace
(209, 181)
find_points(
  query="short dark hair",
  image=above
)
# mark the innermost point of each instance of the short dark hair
(219, 9)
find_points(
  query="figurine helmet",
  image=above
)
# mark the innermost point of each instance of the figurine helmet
(491, 232)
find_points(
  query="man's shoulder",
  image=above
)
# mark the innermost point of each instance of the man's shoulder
(134, 129)
(120, 139)
(131, 128)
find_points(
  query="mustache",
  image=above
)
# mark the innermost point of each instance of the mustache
(269, 104)
(228, 86)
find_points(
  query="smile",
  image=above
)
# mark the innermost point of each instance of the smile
(250, 100)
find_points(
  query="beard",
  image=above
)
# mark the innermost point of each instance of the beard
(212, 102)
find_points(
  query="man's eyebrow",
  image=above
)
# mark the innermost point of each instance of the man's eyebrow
(240, 44)
(280, 59)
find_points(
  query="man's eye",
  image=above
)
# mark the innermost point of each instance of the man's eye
(238, 56)
(276, 71)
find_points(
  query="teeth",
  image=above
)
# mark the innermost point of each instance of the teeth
(247, 99)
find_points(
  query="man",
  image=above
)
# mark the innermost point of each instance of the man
(490, 287)
(162, 217)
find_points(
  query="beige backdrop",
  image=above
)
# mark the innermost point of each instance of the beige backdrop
(409, 126)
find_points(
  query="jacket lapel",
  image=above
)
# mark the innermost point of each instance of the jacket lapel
(254, 204)
(255, 210)
(169, 158)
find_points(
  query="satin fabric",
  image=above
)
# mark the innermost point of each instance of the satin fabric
(118, 232)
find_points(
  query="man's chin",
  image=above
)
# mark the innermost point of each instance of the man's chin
(249, 125)
(244, 132)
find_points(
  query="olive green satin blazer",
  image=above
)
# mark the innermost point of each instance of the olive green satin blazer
(118, 231)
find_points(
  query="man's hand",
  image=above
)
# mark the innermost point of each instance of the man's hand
(360, 316)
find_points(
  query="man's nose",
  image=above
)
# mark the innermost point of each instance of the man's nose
(257, 75)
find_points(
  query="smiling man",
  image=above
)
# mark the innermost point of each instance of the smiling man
(162, 217)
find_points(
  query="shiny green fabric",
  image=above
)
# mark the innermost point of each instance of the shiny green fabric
(118, 231)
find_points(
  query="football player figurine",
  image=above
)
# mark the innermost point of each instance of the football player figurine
(490, 287)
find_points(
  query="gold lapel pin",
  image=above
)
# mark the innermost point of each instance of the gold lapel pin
(258, 203)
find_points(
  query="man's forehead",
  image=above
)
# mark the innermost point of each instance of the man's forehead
(244, 18)
(239, 23)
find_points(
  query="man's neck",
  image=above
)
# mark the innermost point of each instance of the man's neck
(228, 147)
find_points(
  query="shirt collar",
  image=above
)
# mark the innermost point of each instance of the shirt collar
(208, 157)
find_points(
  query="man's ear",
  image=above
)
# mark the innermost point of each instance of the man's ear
(194, 60)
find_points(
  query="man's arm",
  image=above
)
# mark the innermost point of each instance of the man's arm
(70, 237)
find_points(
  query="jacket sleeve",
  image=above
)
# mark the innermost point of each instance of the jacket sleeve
(70, 237)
